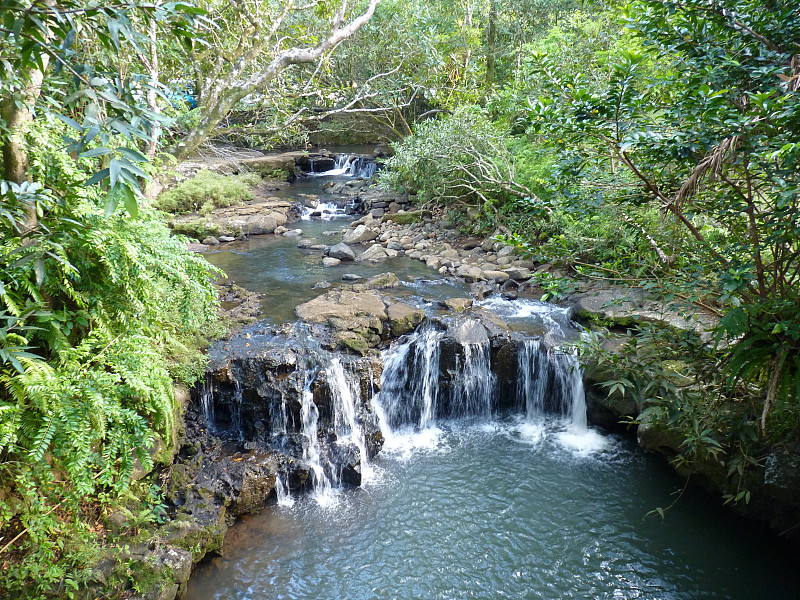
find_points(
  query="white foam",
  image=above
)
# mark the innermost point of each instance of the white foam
(404, 443)
(531, 432)
(582, 442)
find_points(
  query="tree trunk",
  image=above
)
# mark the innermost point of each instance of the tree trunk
(223, 90)
(17, 120)
(491, 46)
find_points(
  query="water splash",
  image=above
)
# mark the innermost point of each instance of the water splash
(346, 397)
(475, 383)
(410, 381)
(282, 491)
(309, 414)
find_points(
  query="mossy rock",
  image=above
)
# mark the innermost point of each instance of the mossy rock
(196, 229)
(407, 218)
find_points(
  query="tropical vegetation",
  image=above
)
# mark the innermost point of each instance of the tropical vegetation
(653, 145)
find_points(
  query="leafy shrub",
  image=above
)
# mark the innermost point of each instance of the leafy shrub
(462, 159)
(208, 190)
(97, 315)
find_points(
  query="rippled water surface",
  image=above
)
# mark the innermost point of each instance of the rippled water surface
(500, 510)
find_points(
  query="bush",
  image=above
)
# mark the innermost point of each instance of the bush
(208, 190)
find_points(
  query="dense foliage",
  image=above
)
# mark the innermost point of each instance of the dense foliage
(102, 309)
(659, 148)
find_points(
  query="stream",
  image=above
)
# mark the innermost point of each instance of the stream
(476, 505)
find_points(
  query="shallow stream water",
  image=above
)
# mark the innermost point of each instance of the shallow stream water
(519, 507)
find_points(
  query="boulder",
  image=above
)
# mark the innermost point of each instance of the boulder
(518, 273)
(497, 276)
(382, 281)
(403, 318)
(373, 254)
(359, 235)
(458, 304)
(342, 251)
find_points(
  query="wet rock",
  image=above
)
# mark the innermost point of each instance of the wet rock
(351, 277)
(481, 290)
(342, 251)
(458, 304)
(226, 238)
(359, 235)
(211, 241)
(305, 244)
(374, 253)
(329, 261)
(403, 318)
(382, 281)
(292, 233)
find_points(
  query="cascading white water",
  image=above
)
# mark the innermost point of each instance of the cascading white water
(475, 383)
(207, 402)
(351, 166)
(410, 381)
(346, 396)
(309, 415)
(533, 370)
(569, 374)
(324, 211)
(282, 491)
(551, 382)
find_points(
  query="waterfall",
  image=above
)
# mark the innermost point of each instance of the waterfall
(309, 415)
(324, 211)
(569, 375)
(551, 382)
(346, 396)
(410, 381)
(207, 402)
(533, 370)
(351, 166)
(475, 383)
(282, 491)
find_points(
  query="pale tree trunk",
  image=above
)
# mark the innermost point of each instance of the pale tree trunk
(220, 94)
(18, 118)
(491, 46)
(152, 98)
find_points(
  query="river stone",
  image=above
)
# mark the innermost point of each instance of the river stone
(329, 261)
(226, 238)
(355, 319)
(359, 235)
(382, 281)
(373, 253)
(259, 225)
(342, 251)
(305, 244)
(351, 277)
(292, 233)
(403, 318)
(518, 273)
(211, 241)
(497, 276)
(466, 331)
(458, 304)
